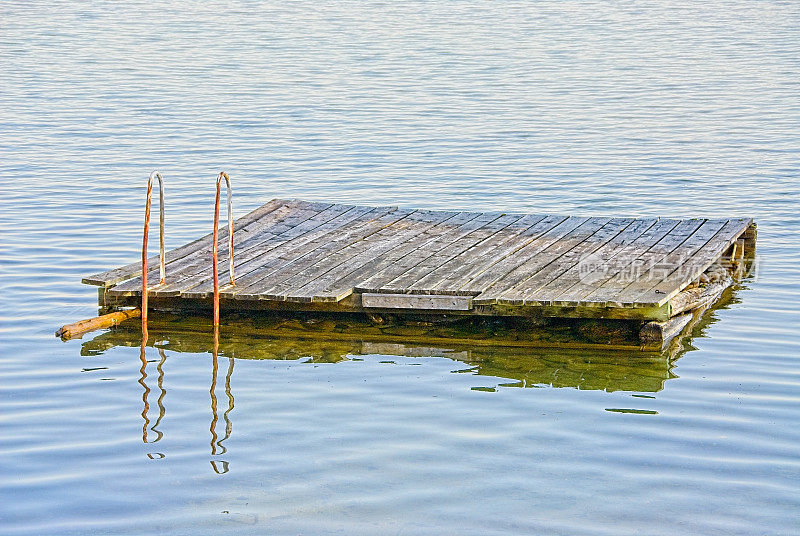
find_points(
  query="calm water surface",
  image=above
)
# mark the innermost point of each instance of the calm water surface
(586, 108)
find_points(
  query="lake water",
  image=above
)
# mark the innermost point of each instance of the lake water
(588, 108)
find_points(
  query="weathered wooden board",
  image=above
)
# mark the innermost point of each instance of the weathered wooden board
(601, 256)
(436, 302)
(610, 264)
(699, 259)
(530, 288)
(276, 228)
(254, 267)
(505, 290)
(669, 262)
(451, 273)
(426, 260)
(337, 288)
(643, 260)
(401, 260)
(111, 277)
(340, 266)
(250, 257)
(321, 253)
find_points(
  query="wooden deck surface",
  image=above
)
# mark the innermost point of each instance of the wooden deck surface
(301, 251)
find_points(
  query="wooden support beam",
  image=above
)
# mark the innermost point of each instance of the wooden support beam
(697, 297)
(655, 333)
(749, 236)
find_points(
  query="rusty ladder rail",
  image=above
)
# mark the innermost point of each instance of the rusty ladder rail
(79, 328)
(162, 263)
(215, 239)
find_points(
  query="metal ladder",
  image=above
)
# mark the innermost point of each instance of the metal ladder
(162, 263)
(214, 243)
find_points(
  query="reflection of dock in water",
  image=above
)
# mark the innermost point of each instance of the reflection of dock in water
(490, 353)
(486, 352)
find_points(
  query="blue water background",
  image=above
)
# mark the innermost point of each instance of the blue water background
(590, 108)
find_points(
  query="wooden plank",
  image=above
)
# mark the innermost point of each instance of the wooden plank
(659, 270)
(349, 305)
(314, 247)
(253, 263)
(267, 233)
(363, 247)
(337, 271)
(379, 281)
(502, 252)
(110, 277)
(608, 267)
(429, 283)
(277, 222)
(517, 256)
(279, 225)
(255, 287)
(260, 264)
(264, 245)
(527, 289)
(389, 264)
(436, 302)
(555, 311)
(188, 264)
(484, 226)
(697, 262)
(603, 254)
(606, 293)
(550, 247)
(457, 270)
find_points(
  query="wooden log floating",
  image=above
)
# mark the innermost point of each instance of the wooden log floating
(77, 329)
(297, 255)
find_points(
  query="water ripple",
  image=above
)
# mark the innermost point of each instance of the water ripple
(589, 108)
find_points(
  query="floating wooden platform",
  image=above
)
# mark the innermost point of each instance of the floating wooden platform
(309, 256)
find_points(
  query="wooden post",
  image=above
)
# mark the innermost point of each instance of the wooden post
(750, 234)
